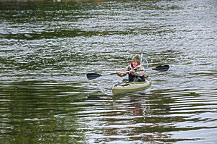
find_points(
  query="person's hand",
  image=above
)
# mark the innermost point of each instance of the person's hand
(132, 71)
(118, 73)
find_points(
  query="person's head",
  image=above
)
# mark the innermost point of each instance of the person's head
(135, 61)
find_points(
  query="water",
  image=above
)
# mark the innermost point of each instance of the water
(47, 48)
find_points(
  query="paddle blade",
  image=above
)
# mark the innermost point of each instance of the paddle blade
(91, 76)
(162, 68)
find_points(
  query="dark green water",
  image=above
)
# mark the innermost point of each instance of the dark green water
(47, 48)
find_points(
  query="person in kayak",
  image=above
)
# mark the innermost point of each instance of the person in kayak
(135, 71)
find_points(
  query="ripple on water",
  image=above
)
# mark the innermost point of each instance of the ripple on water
(47, 49)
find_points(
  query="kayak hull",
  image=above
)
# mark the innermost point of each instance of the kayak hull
(130, 87)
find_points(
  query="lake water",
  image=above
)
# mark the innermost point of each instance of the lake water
(47, 48)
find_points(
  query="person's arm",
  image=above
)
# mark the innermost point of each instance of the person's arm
(123, 72)
(139, 72)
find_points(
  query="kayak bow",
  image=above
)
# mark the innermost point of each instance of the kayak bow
(130, 87)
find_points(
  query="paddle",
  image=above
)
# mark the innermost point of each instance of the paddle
(161, 68)
(91, 76)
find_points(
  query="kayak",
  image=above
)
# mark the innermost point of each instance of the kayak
(122, 88)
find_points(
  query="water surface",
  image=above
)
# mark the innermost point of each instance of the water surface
(47, 49)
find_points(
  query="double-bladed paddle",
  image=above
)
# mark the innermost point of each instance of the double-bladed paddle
(91, 76)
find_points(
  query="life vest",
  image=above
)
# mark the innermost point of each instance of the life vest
(134, 78)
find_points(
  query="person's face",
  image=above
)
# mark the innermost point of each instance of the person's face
(135, 63)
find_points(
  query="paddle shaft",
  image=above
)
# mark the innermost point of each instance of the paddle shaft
(91, 76)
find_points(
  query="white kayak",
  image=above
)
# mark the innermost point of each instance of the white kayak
(130, 87)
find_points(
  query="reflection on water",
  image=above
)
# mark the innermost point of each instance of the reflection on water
(35, 111)
(47, 49)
